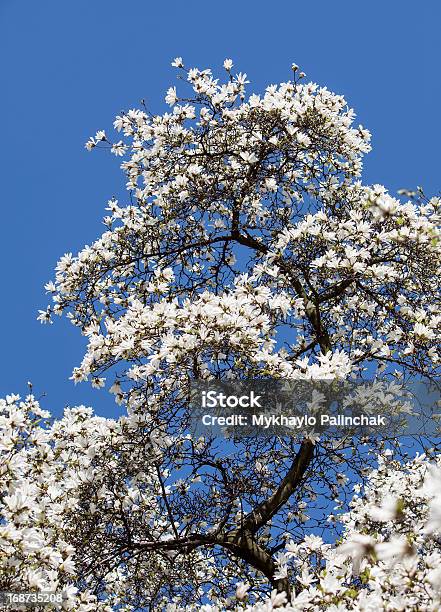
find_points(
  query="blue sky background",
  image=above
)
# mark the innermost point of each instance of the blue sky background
(69, 67)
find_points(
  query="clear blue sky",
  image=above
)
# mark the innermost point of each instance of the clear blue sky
(69, 67)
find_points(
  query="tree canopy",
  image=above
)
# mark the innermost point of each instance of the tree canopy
(248, 248)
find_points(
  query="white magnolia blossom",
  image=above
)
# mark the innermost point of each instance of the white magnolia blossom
(277, 176)
(390, 564)
(62, 480)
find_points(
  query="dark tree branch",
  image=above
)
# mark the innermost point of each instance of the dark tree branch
(264, 512)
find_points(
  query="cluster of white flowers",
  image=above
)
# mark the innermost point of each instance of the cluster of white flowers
(388, 559)
(66, 489)
(40, 470)
(225, 172)
(376, 279)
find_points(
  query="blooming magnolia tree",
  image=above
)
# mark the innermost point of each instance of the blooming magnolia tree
(250, 248)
